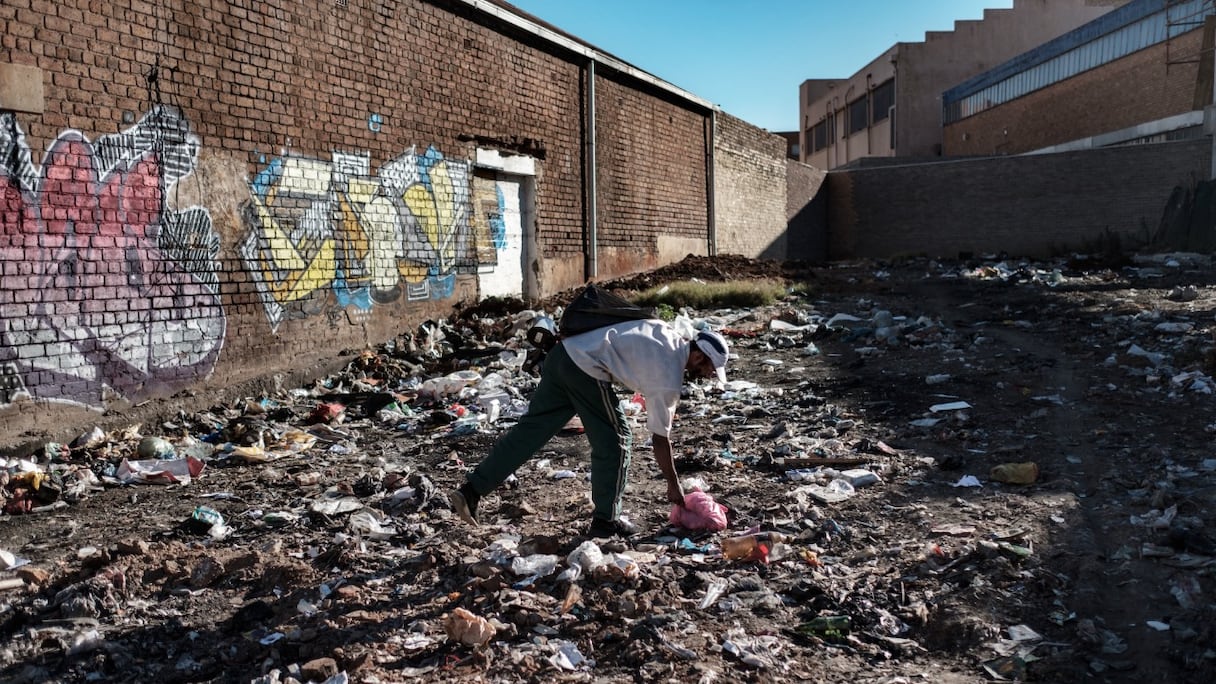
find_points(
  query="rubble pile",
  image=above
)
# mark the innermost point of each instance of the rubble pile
(918, 471)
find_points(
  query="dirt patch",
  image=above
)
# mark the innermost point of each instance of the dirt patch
(340, 559)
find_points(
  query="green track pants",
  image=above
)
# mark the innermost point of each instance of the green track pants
(565, 390)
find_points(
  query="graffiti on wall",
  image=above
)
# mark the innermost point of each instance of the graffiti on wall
(328, 236)
(489, 224)
(107, 290)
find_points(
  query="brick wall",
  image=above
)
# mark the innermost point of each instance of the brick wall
(749, 189)
(652, 180)
(221, 190)
(1138, 88)
(1037, 205)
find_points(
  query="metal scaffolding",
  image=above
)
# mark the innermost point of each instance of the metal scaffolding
(1184, 16)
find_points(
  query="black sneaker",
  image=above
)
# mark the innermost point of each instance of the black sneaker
(464, 502)
(601, 528)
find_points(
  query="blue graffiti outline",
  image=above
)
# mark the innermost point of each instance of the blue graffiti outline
(267, 178)
(360, 297)
(498, 224)
(426, 162)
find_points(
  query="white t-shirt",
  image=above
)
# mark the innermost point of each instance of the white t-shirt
(647, 357)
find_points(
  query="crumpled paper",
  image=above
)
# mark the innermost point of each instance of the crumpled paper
(170, 471)
(464, 627)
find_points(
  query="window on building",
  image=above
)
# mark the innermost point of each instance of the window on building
(1104, 49)
(883, 98)
(858, 115)
(819, 136)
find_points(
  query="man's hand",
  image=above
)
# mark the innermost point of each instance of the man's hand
(662, 455)
(675, 493)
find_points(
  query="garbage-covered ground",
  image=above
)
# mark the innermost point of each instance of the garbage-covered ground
(879, 423)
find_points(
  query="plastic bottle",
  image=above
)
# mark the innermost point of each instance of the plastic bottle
(827, 625)
(755, 546)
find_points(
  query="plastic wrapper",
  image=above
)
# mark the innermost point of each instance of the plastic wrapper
(538, 564)
(453, 383)
(617, 567)
(587, 556)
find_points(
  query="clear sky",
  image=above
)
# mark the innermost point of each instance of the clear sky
(750, 56)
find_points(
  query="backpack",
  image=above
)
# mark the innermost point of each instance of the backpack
(593, 307)
(596, 307)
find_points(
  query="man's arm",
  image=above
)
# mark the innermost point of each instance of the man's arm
(662, 455)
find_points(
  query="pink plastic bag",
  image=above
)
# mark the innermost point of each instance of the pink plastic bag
(699, 512)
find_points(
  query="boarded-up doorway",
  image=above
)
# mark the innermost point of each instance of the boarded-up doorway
(504, 226)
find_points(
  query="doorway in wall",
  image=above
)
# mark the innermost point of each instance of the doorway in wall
(504, 221)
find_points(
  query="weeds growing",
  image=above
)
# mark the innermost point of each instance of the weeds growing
(699, 294)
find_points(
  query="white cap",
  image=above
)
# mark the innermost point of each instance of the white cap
(714, 346)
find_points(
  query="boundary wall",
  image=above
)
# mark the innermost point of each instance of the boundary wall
(1036, 205)
(749, 189)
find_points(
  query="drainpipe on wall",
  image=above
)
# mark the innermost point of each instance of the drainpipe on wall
(573, 46)
(869, 117)
(592, 268)
(709, 183)
(848, 133)
(1209, 121)
(833, 146)
(895, 104)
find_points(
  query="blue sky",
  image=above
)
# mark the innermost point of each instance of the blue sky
(749, 56)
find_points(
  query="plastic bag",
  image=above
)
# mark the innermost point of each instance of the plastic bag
(595, 307)
(538, 564)
(699, 512)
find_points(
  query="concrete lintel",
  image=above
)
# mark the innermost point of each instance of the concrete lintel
(517, 164)
(21, 88)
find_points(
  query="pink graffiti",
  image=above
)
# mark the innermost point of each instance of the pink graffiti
(89, 300)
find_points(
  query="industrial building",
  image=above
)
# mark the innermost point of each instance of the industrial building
(1141, 73)
(892, 106)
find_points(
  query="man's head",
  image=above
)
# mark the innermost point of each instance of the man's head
(708, 356)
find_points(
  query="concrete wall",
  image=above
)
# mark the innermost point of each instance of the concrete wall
(210, 193)
(805, 213)
(1138, 88)
(821, 99)
(749, 189)
(945, 59)
(1037, 205)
